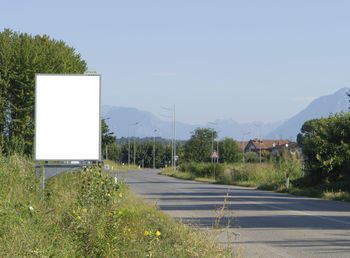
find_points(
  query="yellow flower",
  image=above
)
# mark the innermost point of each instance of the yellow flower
(120, 213)
(78, 217)
(120, 195)
(158, 233)
(146, 233)
(108, 195)
(84, 210)
(129, 229)
(101, 183)
(73, 211)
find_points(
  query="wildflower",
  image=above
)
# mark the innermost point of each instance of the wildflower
(84, 210)
(120, 213)
(129, 229)
(73, 211)
(146, 233)
(31, 208)
(108, 195)
(101, 183)
(78, 217)
(120, 195)
(158, 233)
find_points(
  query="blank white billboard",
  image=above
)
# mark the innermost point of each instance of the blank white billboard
(67, 117)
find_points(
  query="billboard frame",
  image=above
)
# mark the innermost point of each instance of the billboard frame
(99, 114)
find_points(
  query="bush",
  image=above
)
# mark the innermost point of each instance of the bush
(202, 169)
(251, 157)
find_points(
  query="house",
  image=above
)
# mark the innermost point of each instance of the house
(270, 146)
(242, 145)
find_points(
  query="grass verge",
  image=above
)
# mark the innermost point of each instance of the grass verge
(265, 176)
(118, 167)
(87, 214)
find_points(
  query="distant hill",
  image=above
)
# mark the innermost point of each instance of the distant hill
(320, 107)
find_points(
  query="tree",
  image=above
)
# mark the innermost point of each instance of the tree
(21, 57)
(108, 139)
(198, 148)
(326, 147)
(229, 151)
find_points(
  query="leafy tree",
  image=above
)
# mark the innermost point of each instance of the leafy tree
(21, 57)
(229, 151)
(326, 146)
(198, 148)
(109, 142)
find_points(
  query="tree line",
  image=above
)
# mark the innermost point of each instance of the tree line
(197, 149)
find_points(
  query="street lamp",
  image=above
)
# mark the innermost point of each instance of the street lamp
(154, 149)
(260, 141)
(135, 143)
(243, 145)
(212, 142)
(132, 124)
(173, 140)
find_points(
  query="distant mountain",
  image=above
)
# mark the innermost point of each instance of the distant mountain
(320, 107)
(120, 120)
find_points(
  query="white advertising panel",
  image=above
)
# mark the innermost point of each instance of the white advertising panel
(67, 117)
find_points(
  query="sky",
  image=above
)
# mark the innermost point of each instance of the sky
(225, 59)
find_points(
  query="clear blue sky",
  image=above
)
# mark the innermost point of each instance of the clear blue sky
(245, 60)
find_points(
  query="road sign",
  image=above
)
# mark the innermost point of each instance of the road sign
(214, 155)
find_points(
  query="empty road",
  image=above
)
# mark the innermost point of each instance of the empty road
(259, 223)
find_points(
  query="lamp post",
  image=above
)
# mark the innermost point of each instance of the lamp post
(173, 140)
(260, 140)
(154, 149)
(212, 142)
(132, 124)
(243, 143)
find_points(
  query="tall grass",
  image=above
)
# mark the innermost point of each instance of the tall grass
(268, 176)
(87, 214)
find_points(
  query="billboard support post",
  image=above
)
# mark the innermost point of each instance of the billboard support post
(67, 123)
(53, 169)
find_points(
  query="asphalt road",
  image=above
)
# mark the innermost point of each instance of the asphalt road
(259, 223)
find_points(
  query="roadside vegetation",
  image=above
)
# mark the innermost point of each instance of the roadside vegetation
(114, 166)
(87, 214)
(269, 176)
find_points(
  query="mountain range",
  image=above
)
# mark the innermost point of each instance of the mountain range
(121, 121)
